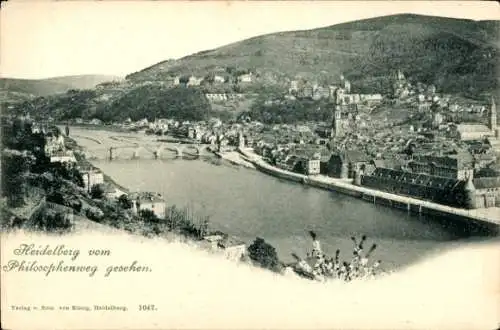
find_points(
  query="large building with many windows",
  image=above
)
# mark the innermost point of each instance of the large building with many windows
(458, 166)
(469, 193)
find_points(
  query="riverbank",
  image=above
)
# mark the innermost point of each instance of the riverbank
(234, 158)
(488, 218)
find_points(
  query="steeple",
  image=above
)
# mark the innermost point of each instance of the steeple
(337, 122)
(400, 75)
(493, 115)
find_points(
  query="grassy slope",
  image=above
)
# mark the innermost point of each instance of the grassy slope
(459, 55)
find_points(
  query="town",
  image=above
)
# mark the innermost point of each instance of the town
(409, 141)
(443, 149)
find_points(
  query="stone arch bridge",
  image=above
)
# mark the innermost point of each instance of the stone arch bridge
(137, 151)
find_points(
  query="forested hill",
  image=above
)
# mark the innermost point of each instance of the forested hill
(460, 56)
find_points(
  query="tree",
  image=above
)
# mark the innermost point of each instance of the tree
(264, 254)
(148, 216)
(124, 201)
(14, 166)
(97, 191)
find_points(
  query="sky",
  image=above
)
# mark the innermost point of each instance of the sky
(46, 39)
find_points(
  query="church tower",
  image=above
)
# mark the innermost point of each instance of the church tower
(493, 115)
(337, 129)
(400, 76)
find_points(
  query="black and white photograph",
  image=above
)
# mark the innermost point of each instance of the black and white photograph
(250, 165)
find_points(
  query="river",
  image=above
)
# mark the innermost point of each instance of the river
(248, 204)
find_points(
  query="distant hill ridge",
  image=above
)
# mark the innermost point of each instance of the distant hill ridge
(55, 85)
(457, 55)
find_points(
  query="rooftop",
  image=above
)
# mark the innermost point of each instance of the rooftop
(147, 197)
(472, 128)
(487, 182)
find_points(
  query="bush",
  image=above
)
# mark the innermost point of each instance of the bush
(94, 213)
(125, 202)
(322, 267)
(264, 254)
(97, 191)
(148, 216)
(51, 220)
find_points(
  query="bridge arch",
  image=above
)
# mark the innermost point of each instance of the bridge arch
(136, 151)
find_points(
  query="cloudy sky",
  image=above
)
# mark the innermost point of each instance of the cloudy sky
(45, 39)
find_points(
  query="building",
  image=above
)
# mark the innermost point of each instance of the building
(245, 78)
(458, 166)
(91, 177)
(343, 165)
(486, 192)
(110, 191)
(308, 163)
(324, 131)
(219, 79)
(62, 157)
(231, 247)
(340, 122)
(493, 116)
(321, 93)
(423, 106)
(343, 110)
(54, 144)
(148, 201)
(214, 97)
(332, 91)
(440, 190)
(294, 87)
(371, 98)
(468, 193)
(347, 85)
(194, 81)
(400, 76)
(483, 160)
(467, 132)
(307, 92)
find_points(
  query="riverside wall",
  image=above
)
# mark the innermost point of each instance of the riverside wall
(408, 204)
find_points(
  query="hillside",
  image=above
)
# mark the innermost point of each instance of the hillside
(459, 56)
(44, 87)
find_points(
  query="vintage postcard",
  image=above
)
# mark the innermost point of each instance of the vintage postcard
(250, 165)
